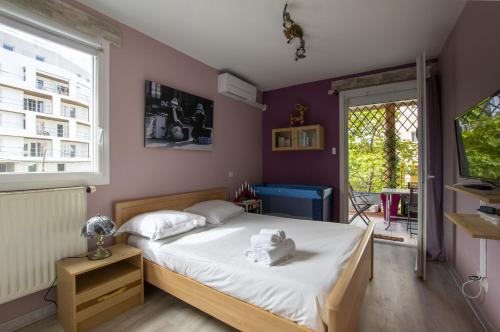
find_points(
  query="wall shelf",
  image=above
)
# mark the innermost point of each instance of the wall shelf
(488, 196)
(475, 226)
(298, 138)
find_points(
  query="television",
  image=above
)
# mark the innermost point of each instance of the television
(478, 140)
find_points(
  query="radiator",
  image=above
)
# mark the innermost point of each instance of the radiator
(36, 229)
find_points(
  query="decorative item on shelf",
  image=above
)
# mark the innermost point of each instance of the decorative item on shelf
(245, 193)
(293, 31)
(297, 117)
(100, 227)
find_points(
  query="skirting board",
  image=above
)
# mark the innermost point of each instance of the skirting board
(485, 323)
(28, 319)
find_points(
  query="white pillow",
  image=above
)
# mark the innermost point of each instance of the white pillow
(216, 211)
(161, 224)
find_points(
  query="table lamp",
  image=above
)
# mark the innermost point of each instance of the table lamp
(100, 227)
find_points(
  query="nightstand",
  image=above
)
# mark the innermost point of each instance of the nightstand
(254, 205)
(91, 292)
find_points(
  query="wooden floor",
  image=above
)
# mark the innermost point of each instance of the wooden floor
(395, 301)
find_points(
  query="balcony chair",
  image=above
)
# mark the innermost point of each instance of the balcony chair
(360, 203)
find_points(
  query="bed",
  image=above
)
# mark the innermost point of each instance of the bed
(184, 267)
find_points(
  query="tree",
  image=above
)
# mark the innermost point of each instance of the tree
(378, 157)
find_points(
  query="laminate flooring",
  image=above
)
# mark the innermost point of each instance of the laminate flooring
(396, 300)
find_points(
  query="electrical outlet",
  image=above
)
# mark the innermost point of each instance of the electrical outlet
(230, 174)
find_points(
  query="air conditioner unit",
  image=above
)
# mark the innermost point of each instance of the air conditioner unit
(233, 87)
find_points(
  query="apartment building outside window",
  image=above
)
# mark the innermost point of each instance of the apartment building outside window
(8, 47)
(55, 95)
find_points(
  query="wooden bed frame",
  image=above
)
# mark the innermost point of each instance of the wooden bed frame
(343, 303)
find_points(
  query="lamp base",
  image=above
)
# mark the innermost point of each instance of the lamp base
(99, 253)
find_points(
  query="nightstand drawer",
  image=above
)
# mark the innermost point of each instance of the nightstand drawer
(107, 301)
(94, 284)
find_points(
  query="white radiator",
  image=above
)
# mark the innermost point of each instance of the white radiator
(36, 229)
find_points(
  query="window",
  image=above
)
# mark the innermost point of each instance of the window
(84, 62)
(36, 150)
(8, 47)
(29, 104)
(39, 106)
(3, 168)
(68, 151)
(60, 130)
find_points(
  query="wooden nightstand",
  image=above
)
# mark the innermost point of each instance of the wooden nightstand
(91, 292)
(254, 206)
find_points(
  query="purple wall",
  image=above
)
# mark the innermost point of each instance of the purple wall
(302, 167)
(305, 167)
(470, 71)
(139, 172)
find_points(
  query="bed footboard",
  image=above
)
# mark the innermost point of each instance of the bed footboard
(346, 297)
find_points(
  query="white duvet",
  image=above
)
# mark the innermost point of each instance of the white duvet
(295, 289)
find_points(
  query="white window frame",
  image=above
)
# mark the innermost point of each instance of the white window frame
(100, 125)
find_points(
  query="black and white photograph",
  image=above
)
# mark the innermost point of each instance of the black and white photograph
(176, 119)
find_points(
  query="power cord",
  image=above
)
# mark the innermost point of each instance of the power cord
(473, 279)
(46, 296)
(53, 284)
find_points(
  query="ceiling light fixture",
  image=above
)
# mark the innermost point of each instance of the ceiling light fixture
(293, 31)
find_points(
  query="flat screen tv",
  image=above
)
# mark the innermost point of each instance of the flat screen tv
(478, 140)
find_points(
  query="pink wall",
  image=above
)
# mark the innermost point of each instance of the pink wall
(139, 172)
(470, 70)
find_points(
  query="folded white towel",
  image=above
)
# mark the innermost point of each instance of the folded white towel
(272, 255)
(264, 240)
(278, 232)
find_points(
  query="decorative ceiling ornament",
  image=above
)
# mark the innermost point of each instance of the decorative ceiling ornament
(293, 31)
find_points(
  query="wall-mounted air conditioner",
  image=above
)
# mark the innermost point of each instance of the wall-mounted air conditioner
(233, 87)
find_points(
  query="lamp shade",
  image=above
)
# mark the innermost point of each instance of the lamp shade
(99, 225)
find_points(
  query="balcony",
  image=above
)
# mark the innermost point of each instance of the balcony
(59, 131)
(75, 112)
(37, 104)
(83, 134)
(52, 84)
(10, 74)
(78, 150)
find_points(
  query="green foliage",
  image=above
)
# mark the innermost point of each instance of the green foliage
(376, 159)
(481, 139)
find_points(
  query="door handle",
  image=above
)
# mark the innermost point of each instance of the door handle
(431, 177)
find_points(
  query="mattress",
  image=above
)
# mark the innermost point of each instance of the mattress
(296, 289)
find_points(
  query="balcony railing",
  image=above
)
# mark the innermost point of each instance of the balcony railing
(83, 134)
(13, 152)
(75, 113)
(11, 74)
(55, 132)
(52, 87)
(37, 105)
(74, 154)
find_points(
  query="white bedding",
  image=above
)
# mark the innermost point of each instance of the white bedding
(295, 289)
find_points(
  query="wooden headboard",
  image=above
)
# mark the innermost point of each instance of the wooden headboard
(129, 209)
